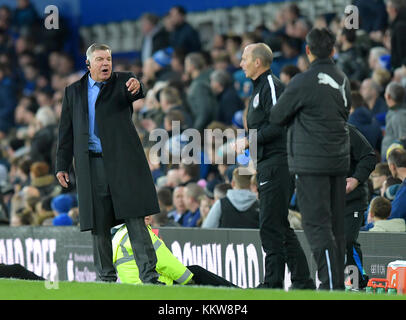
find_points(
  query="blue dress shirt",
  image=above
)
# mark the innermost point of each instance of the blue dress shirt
(93, 89)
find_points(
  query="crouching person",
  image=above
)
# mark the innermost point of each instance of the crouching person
(170, 269)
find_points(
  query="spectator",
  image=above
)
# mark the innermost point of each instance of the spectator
(173, 178)
(373, 16)
(8, 101)
(238, 209)
(192, 204)
(380, 210)
(378, 177)
(165, 199)
(362, 119)
(397, 17)
(24, 16)
(158, 67)
(61, 205)
(227, 98)
(205, 206)
(43, 139)
(22, 217)
(171, 100)
(371, 91)
(397, 166)
(390, 187)
(183, 35)
(155, 37)
(178, 203)
(220, 191)
(74, 215)
(375, 58)
(188, 173)
(349, 59)
(396, 116)
(200, 98)
(44, 213)
(288, 72)
(43, 180)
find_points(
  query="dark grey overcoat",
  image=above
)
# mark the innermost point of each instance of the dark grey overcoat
(127, 171)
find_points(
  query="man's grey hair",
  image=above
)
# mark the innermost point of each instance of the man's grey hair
(378, 52)
(396, 92)
(222, 77)
(94, 47)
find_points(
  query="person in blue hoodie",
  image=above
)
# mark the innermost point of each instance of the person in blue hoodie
(362, 118)
(61, 205)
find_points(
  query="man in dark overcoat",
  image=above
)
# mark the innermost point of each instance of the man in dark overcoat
(113, 179)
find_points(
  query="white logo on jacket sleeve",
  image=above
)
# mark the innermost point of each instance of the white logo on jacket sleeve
(326, 79)
(255, 103)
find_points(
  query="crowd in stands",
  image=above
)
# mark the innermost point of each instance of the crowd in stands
(200, 88)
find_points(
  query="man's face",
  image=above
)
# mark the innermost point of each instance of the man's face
(178, 201)
(393, 170)
(247, 64)
(101, 65)
(366, 91)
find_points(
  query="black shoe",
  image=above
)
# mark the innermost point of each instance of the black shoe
(303, 285)
(268, 286)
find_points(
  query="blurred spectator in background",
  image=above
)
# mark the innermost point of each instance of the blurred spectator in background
(397, 166)
(349, 58)
(375, 57)
(288, 72)
(178, 203)
(373, 16)
(397, 17)
(396, 116)
(43, 180)
(379, 211)
(238, 209)
(200, 98)
(191, 197)
(227, 98)
(155, 37)
(61, 205)
(25, 17)
(8, 100)
(370, 92)
(171, 101)
(182, 35)
(362, 119)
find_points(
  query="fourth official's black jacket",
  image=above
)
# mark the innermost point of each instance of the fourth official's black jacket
(271, 138)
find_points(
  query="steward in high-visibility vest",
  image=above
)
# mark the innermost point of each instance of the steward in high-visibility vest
(168, 266)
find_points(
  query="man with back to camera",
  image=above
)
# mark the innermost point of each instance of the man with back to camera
(113, 177)
(315, 106)
(274, 182)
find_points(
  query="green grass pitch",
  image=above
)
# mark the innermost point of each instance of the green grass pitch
(11, 289)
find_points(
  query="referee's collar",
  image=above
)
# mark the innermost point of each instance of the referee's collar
(262, 77)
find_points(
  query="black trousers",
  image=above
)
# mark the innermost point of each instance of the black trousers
(322, 205)
(17, 271)
(203, 277)
(103, 221)
(279, 241)
(352, 223)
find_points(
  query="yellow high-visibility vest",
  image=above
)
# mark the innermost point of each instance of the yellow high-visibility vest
(168, 266)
